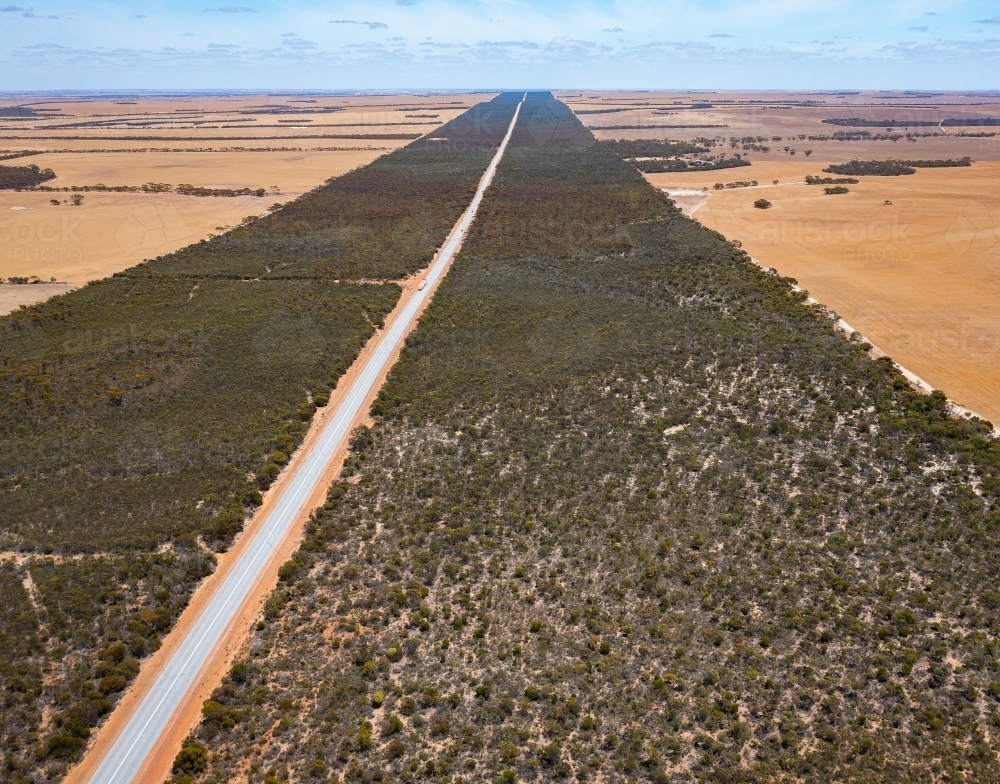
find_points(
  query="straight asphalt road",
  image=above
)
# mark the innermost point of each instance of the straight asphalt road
(140, 735)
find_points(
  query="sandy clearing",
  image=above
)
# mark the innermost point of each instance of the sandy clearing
(13, 297)
(920, 277)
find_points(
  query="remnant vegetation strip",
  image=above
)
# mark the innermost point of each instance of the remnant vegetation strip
(154, 711)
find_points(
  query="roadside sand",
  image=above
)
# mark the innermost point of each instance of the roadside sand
(920, 277)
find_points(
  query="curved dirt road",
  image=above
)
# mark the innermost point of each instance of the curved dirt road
(130, 747)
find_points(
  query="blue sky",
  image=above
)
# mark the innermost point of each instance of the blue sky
(457, 44)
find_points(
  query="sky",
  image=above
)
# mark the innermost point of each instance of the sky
(489, 44)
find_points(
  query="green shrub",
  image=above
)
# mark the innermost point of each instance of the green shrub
(192, 758)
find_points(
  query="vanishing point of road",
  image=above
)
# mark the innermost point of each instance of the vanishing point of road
(151, 712)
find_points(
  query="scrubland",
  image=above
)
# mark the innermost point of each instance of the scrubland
(630, 510)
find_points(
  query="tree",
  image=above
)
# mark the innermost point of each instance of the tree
(192, 758)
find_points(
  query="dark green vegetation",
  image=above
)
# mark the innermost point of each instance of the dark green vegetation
(721, 186)
(23, 176)
(762, 204)
(655, 125)
(143, 415)
(810, 180)
(653, 155)
(948, 163)
(136, 407)
(20, 111)
(8, 155)
(383, 221)
(892, 168)
(857, 122)
(835, 190)
(631, 511)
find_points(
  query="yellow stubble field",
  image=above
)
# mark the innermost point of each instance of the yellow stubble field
(919, 277)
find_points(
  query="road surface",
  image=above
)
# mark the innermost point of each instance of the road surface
(138, 738)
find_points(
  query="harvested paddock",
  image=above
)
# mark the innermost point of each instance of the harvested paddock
(107, 233)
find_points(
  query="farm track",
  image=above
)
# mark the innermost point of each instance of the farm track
(139, 740)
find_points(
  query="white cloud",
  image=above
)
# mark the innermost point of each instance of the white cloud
(369, 25)
(509, 44)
